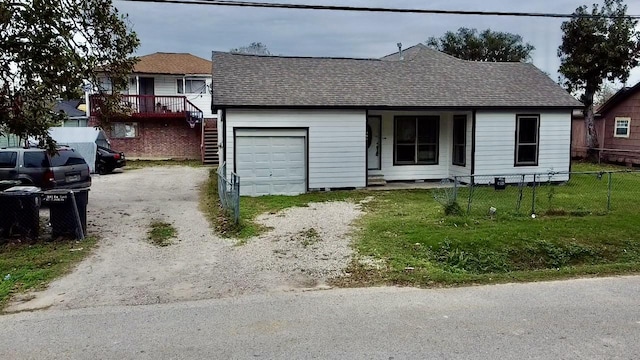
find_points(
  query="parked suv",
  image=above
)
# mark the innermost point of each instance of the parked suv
(34, 166)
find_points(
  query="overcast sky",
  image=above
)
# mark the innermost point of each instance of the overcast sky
(199, 29)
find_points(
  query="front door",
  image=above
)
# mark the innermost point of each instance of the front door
(147, 100)
(374, 148)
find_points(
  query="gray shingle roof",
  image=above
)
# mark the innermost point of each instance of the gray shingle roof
(69, 107)
(425, 78)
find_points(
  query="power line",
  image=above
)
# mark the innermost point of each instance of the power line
(374, 9)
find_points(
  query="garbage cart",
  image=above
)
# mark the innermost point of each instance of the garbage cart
(68, 211)
(20, 212)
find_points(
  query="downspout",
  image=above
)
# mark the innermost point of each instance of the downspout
(224, 135)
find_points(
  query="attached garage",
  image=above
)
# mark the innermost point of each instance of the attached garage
(271, 161)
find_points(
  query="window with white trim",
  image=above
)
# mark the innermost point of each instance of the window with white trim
(191, 86)
(124, 130)
(416, 140)
(622, 127)
(527, 139)
(105, 85)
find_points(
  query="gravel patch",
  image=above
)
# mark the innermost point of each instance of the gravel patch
(306, 246)
(311, 241)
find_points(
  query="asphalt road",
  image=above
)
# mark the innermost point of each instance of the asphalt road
(578, 319)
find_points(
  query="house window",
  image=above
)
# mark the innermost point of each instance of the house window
(191, 86)
(459, 140)
(124, 130)
(622, 127)
(105, 85)
(416, 140)
(527, 139)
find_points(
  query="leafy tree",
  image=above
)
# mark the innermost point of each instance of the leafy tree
(597, 45)
(488, 45)
(49, 49)
(604, 94)
(255, 48)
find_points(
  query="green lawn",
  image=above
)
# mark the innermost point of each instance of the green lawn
(139, 164)
(410, 240)
(26, 267)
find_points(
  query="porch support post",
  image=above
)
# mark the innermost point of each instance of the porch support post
(137, 85)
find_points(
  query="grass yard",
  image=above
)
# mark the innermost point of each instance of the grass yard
(139, 164)
(406, 238)
(26, 267)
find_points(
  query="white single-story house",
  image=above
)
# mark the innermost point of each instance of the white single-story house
(297, 124)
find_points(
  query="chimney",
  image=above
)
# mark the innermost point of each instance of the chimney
(400, 51)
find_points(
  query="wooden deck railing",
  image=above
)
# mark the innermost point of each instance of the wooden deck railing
(152, 106)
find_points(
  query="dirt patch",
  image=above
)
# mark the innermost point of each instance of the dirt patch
(306, 242)
(126, 269)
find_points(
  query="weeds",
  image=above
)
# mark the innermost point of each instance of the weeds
(160, 233)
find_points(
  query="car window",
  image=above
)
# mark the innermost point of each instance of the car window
(8, 159)
(67, 158)
(35, 159)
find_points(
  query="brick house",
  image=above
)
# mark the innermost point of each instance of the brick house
(169, 96)
(617, 125)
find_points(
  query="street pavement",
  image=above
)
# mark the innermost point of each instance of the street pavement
(576, 319)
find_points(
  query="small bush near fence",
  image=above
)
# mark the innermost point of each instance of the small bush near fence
(559, 194)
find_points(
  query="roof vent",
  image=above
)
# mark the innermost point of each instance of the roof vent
(400, 51)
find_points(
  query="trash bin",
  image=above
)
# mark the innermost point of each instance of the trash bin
(20, 212)
(64, 219)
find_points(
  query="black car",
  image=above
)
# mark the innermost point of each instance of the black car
(107, 160)
(67, 169)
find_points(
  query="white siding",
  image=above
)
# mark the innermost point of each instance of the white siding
(495, 143)
(442, 170)
(336, 142)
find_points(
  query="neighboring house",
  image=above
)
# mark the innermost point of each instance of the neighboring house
(617, 125)
(169, 96)
(75, 116)
(294, 124)
(10, 140)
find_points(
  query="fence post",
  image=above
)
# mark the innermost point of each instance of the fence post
(455, 189)
(521, 189)
(533, 201)
(471, 185)
(236, 210)
(609, 192)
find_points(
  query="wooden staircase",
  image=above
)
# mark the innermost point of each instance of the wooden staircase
(210, 146)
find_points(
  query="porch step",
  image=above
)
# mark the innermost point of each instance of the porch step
(376, 180)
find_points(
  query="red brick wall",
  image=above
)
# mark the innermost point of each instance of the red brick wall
(161, 139)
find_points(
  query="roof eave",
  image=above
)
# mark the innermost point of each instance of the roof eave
(392, 107)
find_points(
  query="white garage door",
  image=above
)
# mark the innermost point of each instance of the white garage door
(271, 162)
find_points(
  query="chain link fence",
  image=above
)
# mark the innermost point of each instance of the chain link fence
(229, 191)
(555, 193)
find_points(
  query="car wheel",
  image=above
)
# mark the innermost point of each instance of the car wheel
(101, 170)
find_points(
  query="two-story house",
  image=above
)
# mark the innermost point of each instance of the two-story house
(169, 103)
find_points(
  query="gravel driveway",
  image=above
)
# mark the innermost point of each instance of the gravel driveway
(306, 246)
